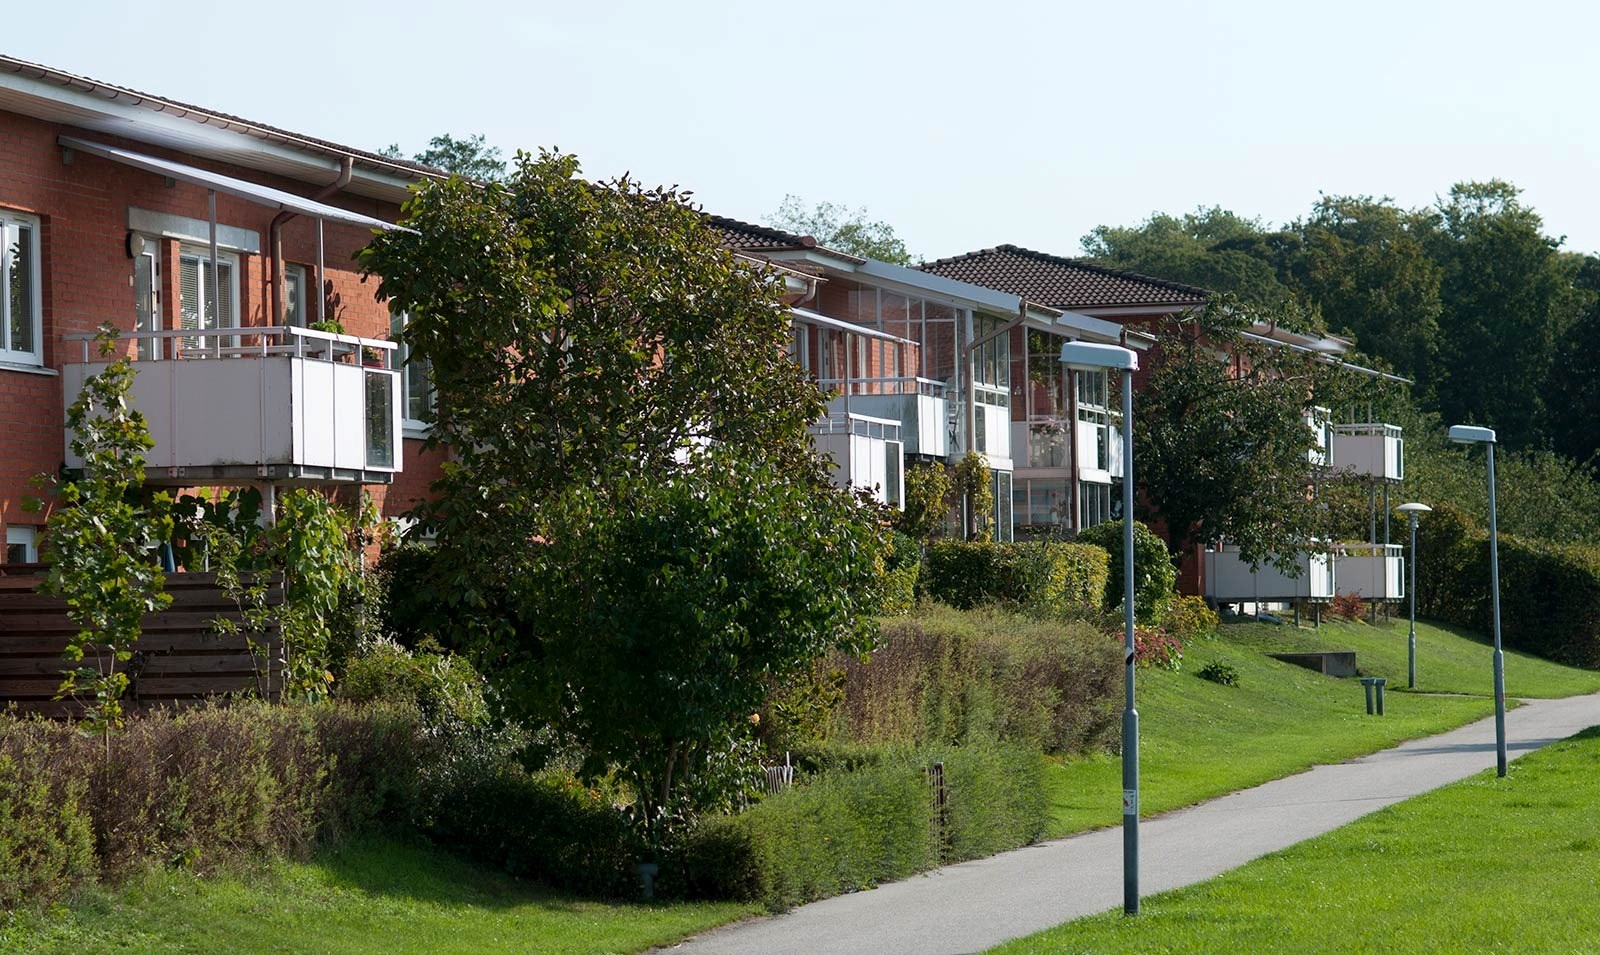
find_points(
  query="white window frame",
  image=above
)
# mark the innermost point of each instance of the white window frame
(412, 427)
(33, 358)
(202, 255)
(26, 537)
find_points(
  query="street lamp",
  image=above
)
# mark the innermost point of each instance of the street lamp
(1467, 434)
(1089, 356)
(1413, 511)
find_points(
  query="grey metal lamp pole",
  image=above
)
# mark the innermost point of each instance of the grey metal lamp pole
(1413, 510)
(1089, 356)
(1467, 434)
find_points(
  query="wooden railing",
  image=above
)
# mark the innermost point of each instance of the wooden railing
(181, 659)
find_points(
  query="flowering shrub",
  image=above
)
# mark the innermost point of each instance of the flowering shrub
(1348, 606)
(1189, 617)
(1157, 648)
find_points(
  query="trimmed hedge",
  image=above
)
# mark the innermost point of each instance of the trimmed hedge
(1044, 575)
(852, 830)
(1154, 574)
(1549, 593)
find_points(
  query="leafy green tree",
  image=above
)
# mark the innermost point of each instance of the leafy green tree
(101, 543)
(609, 381)
(1210, 248)
(469, 156)
(1222, 449)
(841, 228)
(974, 488)
(1153, 572)
(1574, 387)
(928, 488)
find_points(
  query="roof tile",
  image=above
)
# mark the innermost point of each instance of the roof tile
(1062, 283)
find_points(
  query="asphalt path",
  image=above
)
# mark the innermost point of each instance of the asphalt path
(975, 905)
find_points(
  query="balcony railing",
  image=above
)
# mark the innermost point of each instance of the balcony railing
(286, 405)
(919, 405)
(866, 452)
(1374, 571)
(1368, 450)
(1230, 580)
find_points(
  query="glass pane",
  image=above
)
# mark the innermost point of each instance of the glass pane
(189, 292)
(224, 310)
(144, 303)
(294, 290)
(380, 419)
(21, 288)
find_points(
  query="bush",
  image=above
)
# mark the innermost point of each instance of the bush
(1157, 648)
(1154, 575)
(444, 688)
(1189, 617)
(901, 568)
(46, 837)
(1043, 576)
(1349, 606)
(852, 830)
(946, 676)
(1218, 672)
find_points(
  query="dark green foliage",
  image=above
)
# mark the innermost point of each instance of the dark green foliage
(1044, 575)
(1549, 593)
(852, 830)
(842, 229)
(1153, 572)
(901, 568)
(1219, 672)
(973, 487)
(468, 156)
(445, 689)
(947, 676)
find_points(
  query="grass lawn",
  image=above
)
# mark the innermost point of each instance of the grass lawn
(1505, 865)
(1200, 740)
(374, 896)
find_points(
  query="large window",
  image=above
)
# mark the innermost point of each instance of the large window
(21, 310)
(1094, 504)
(1096, 423)
(195, 306)
(416, 379)
(1042, 394)
(295, 312)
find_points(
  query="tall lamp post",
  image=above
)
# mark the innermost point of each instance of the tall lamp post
(1413, 511)
(1467, 434)
(1089, 356)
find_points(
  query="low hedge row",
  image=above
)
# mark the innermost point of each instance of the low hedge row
(852, 830)
(1549, 593)
(1043, 574)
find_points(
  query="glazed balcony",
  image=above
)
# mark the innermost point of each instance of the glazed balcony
(918, 405)
(286, 405)
(866, 452)
(1375, 451)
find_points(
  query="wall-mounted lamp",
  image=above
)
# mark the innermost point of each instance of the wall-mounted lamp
(134, 244)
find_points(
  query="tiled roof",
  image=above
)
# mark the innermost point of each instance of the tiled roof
(1062, 283)
(745, 237)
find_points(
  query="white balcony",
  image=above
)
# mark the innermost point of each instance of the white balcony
(1230, 580)
(1368, 450)
(918, 404)
(866, 453)
(992, 423)
(1374, 571)
(286, 405)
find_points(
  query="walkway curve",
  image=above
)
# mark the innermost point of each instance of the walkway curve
(975, 905)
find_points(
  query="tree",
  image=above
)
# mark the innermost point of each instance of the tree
(1574, 386)
(630, 464)
(1210, 248)
(842, 229)
(469, 157)
(1222, 448)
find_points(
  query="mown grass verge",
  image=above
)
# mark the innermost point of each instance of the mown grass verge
(1483, 865)
(367, 896)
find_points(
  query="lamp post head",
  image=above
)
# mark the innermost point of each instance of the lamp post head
(1469, 434)
(1093, 356)
(1413, 510)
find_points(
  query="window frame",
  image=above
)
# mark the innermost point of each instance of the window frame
(25, 536)
(33, 358)
(409, 426)
(202, 257)
(297, 301)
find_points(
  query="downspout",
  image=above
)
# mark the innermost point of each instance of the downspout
(347, 168)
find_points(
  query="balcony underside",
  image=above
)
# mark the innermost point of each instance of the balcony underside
(286, 474)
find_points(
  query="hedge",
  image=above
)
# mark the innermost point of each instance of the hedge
(1154, 574)
(1549, 593)
(1043, 575)
(852, 830)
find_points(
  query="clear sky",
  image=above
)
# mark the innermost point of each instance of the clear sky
(964, 124)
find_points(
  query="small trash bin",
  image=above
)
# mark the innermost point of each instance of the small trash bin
(1374, 687)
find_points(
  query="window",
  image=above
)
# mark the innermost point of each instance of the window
(194, 281)
(21, 545)
(294, 296)
(21, 308)
(147, 300)
(416, 380)
(1094, 504)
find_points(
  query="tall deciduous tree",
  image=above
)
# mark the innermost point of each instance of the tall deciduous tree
(841, 228)
(635, 531)
(1211, 248)
(469, 156)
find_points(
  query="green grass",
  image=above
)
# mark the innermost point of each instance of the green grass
(1506, 865)
(1200, 740)
(374, 896)
(1449, 660)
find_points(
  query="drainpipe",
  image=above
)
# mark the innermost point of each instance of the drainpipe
(275, 238)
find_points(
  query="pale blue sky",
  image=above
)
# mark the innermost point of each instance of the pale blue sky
(965, 124)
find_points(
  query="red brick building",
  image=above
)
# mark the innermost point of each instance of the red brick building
(160, 218)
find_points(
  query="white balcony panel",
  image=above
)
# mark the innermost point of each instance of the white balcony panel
(1230, 580)
(1374, 571)
(1369, 450)
(292, 409)
(924, 419)
(864, 453)
(996, 424)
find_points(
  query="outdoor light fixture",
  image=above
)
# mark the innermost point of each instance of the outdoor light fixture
(1467, 434)
(1089, 356)
(1413, 511)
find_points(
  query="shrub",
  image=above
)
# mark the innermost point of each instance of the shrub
(851, 830)
(1043, 576)
(1154, 575)
(1218, 672)
(444, 688)
(46, 838)
(901, 567)
(927, 502)
(1157, 648)
(1189, 617)
(1349, 606)
(947, 676)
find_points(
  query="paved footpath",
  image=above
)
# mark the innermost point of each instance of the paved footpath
(975, 905)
